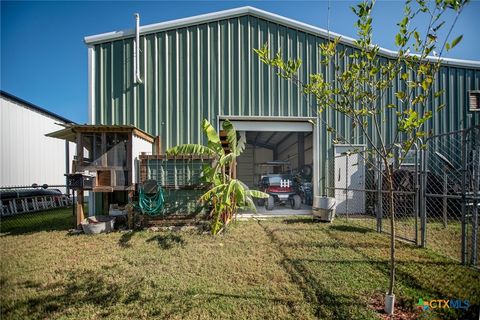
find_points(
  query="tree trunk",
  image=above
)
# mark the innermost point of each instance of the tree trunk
(392, 230)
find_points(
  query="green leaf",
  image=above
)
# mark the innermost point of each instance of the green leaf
(398, 39)
(191, 149)
(439, 93)
(231, 135)
(213, 138)
(400, 95)
(258, 194)
(455, 42)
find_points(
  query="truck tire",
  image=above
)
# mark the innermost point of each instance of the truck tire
(296, 202)
(261, 202)
(270, 203)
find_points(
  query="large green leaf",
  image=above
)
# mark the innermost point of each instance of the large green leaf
(241, 144)
(250, 204)
(213, 138)
(196, 149)
(226, 159)
(231, 135)
(217, 190)
(257, 194)
(230, 190)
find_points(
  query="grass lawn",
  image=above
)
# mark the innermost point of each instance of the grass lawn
(445, 240)
(274, 269)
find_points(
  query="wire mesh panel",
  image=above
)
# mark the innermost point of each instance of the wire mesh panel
(443, 173)
(436, 192)
(181, 179)
(472, 193)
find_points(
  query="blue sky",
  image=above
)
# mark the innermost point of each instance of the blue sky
(44, 60)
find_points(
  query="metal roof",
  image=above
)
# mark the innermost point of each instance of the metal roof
(34, 107)
(70, 131)
(204, 18)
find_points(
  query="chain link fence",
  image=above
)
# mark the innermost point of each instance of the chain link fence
(26, 209)
(436, 195)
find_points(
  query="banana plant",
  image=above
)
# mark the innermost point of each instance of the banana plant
(226, 194)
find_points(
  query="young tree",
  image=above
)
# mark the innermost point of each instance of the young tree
(359, 88)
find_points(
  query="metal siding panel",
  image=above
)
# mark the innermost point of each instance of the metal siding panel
(117, 80)
(129, 85)
(98, 93)
(150, 82)
(210, 69)
(22, 134)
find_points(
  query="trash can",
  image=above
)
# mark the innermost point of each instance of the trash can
(324, 208)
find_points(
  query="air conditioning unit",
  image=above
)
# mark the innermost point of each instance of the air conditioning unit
(474, 100)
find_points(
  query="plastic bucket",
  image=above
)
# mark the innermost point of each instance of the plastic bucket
(324, 208)
(98, 224)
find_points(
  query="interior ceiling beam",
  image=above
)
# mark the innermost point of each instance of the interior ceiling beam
(270, 138)
(286, 137)
(260, 144)
(256, 136)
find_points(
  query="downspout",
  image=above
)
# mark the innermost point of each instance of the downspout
(136, 51)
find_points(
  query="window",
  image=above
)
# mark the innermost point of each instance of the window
(92, 148)
(117, 149)
(474, 100)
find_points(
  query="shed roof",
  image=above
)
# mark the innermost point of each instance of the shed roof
(242, 11)
(69, 133)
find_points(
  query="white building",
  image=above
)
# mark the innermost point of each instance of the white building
(27, 156)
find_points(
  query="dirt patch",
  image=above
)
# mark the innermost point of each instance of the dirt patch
(402, 312)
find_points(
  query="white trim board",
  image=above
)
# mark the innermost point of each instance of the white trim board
(272, 126)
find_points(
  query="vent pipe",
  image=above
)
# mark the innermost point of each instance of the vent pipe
(136, 51)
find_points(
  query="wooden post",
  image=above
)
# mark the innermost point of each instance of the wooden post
(105, 203)
(157, 146)
(80, 214)
(129, 208)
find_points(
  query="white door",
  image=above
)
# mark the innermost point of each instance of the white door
(349, 177)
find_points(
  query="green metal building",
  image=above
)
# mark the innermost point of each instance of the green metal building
(204, 67)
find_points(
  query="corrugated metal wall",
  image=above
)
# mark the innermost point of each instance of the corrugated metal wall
(26, 155)
(210, 69)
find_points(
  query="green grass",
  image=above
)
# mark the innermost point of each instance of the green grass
(58, 219)
(274, 269)
(444, 240)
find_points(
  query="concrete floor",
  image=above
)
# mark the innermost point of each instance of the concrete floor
(278, 211)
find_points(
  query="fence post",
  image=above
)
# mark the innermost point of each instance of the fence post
(476, 190)
(379, 195)
(422, 197)
(417, 194)
(464, 191)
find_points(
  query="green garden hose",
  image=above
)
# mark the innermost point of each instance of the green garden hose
(151, 205)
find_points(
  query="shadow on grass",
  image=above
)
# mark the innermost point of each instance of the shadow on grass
(74, 292)
(167, 241)
(421, 276)
(51, 220)
(345, 228)
(322, 299)
(417, 278)
(124, 241)
(300, 220)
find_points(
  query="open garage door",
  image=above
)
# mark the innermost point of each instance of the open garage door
(281, 150)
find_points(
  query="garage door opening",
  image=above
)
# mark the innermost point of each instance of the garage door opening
(280, 164)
